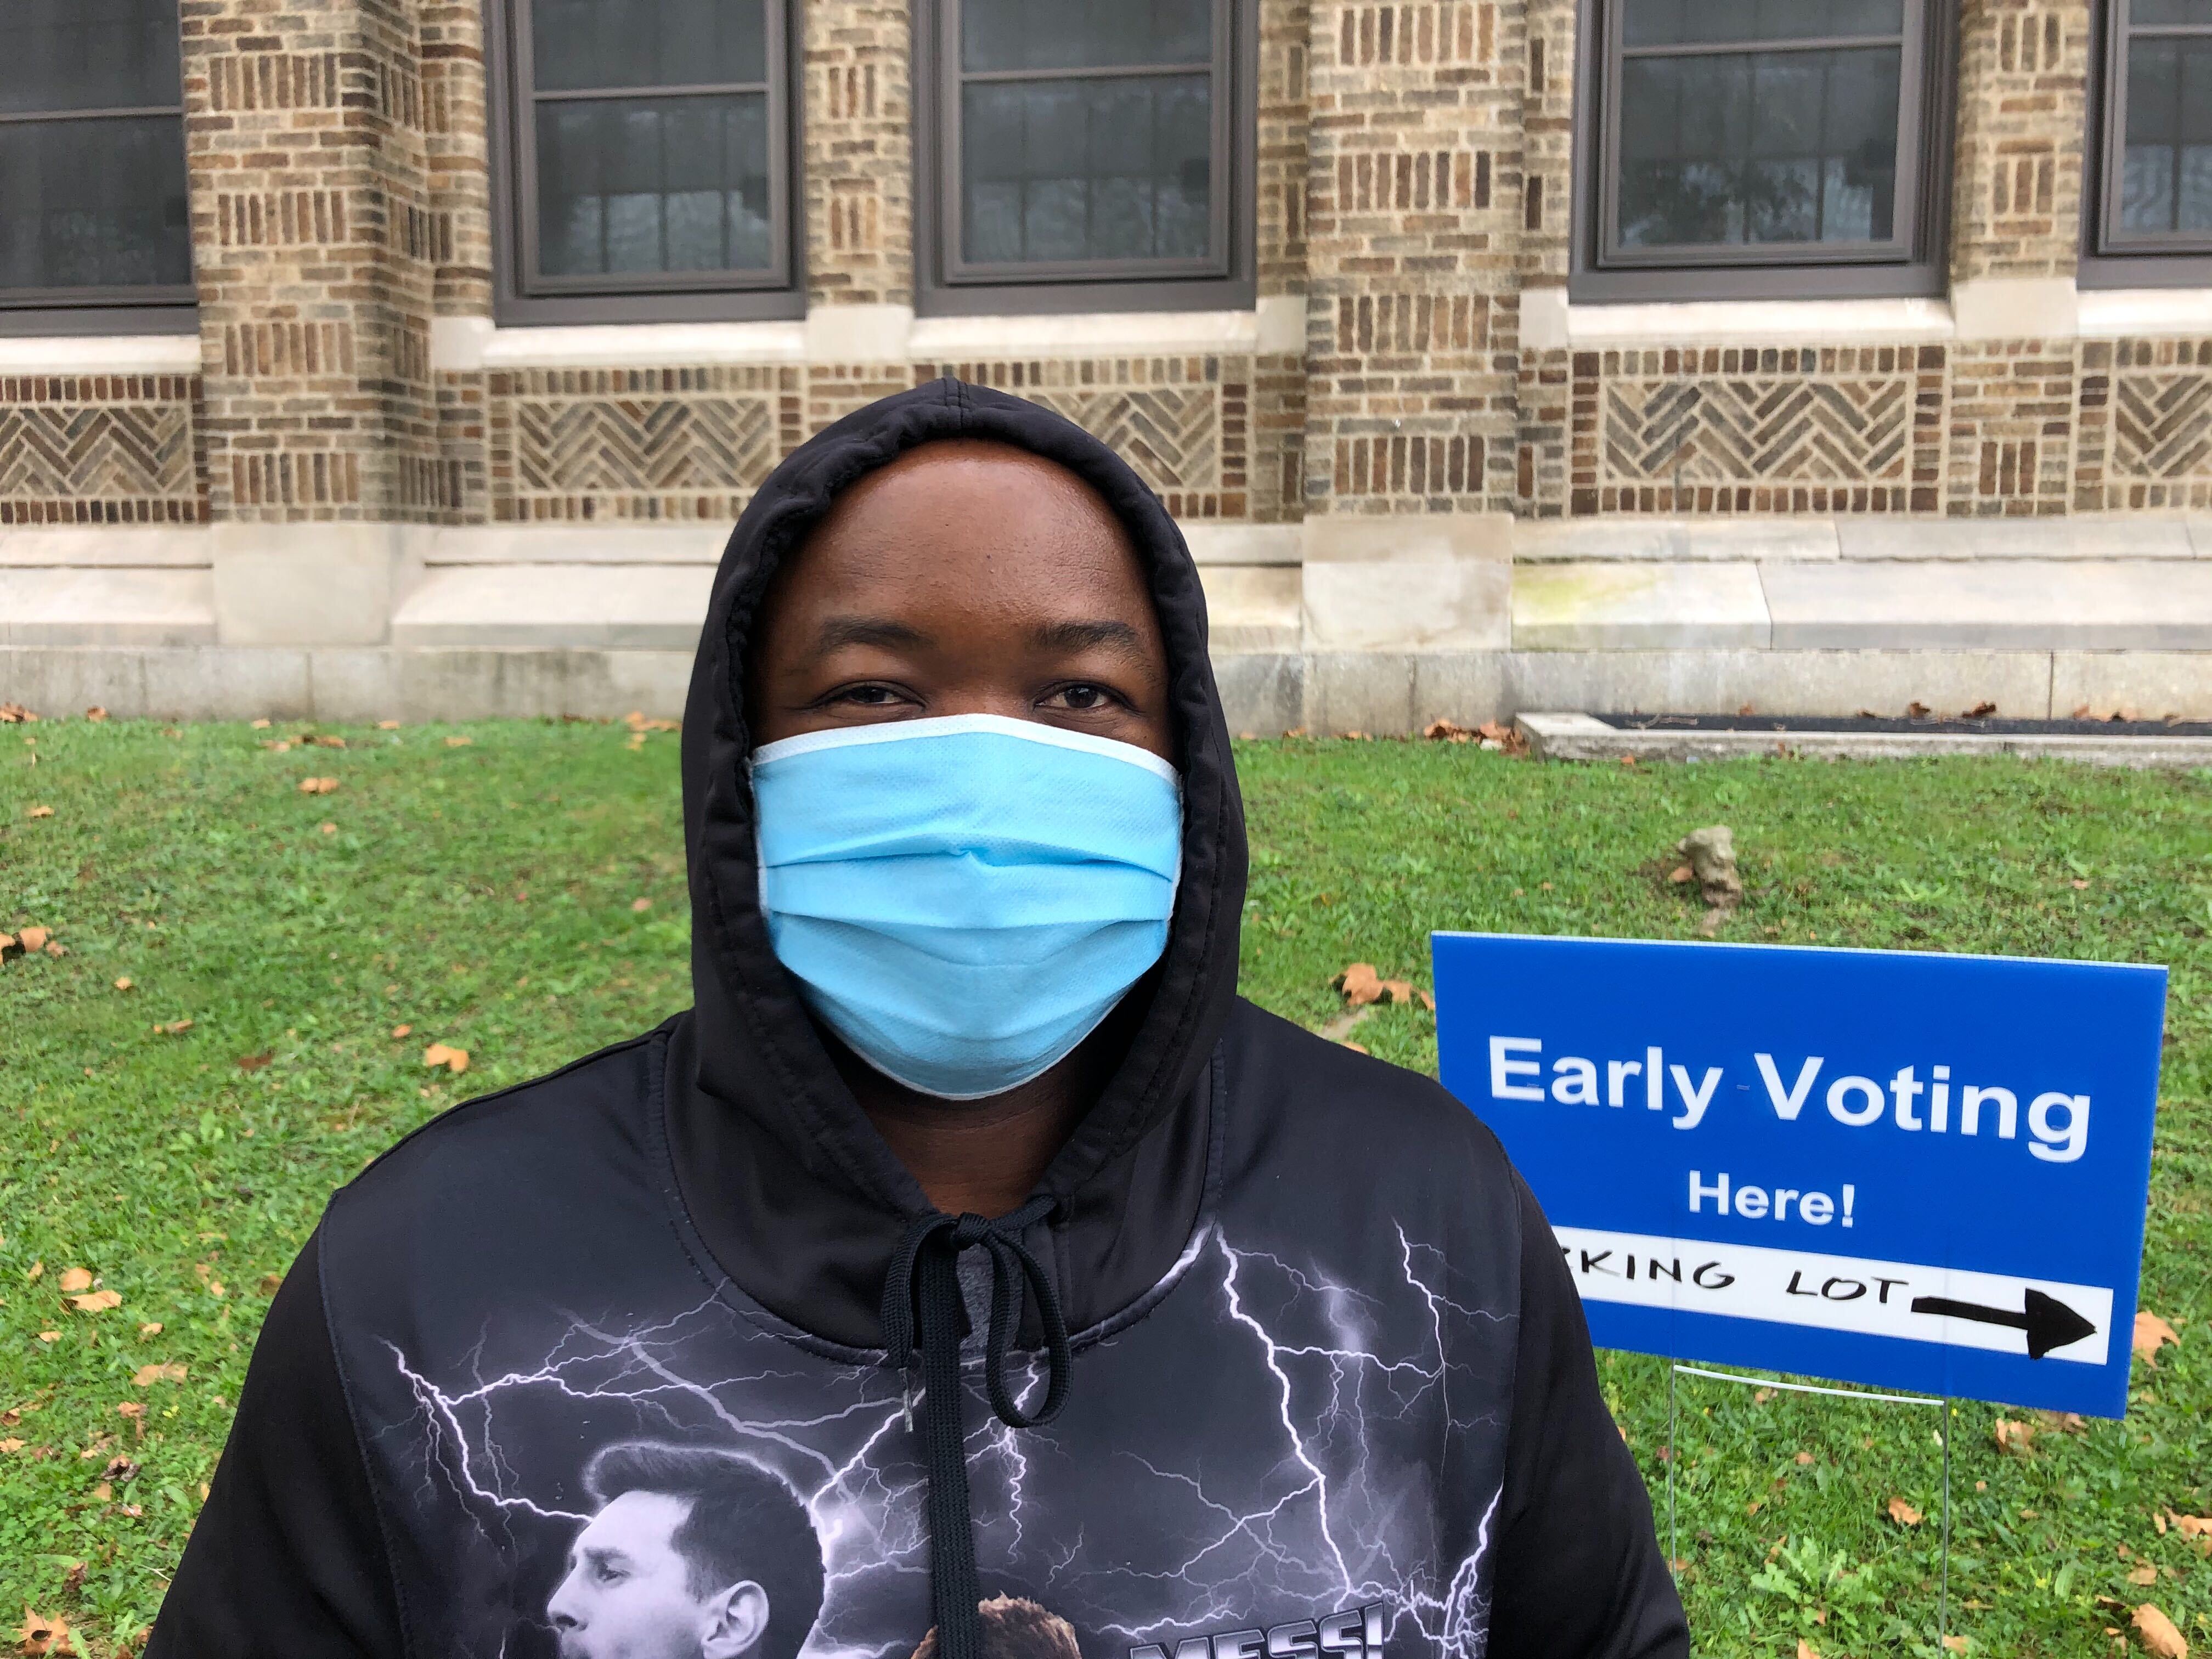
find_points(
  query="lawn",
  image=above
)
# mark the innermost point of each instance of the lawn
(252, 973)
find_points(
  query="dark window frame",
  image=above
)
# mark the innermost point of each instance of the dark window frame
(519, 297)
(1911, 264)
(946, 286)
(2114, 261)
(147, 308)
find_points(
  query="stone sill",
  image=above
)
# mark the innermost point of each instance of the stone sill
(100, 354)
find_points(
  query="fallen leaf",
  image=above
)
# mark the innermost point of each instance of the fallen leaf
(1360, 984)
(318, 786)
(1346, 1043)
(1426, 1000)
(151, 1328)
(2152, 1333)
(1916, 710)
(459, 743)
(1956, 1643)
(14, 713)
(130, 1408)
(2143, 1575)
(1903, 1513)
(118, 1468)
(97, 1301)
(173, 1028)
(12, 1444)
(2013, 1436)
(74, 1279)
(43, 1632)
(34, 938)
(387, 726)
(95, 713)
(255, 1062)
(54, 948)
(2192, 1526)
(401, 1031)
(1804, 1459)
(1807, 1650)
(640, 906)
(261, 726)
(1760, 1396)
(1980, 711)
(41, 812)
(324, 742)
(268, 1284)
(147, 1376)
(1681, 874)
(123, 984)
(1443, 731)
(2158, 1633)
(330, 829)
(637, 721)
(453, 1059)
(31, 1274)
(50, 1336)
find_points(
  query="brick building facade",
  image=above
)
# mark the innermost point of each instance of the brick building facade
(1435, 461)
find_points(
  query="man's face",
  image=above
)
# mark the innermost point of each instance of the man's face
(965, 578)
(627, 1595)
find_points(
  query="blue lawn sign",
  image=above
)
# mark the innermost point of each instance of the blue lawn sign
(1909, 1170)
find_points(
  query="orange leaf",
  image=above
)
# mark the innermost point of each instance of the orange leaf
(2192, 1526)
(318, 786)
(1903, 1513)
(453, 1059)
(2015, 1436)
(1360, 984)
(123, 984)
(401, 1031)
(2158, 1633)
(74, 1279)
(41, 812)
(1955, 1643)
(34, 938)
(2145, 1574)
(2152, 1333)
(1807, 1650)
(147, 1376)
(97, 1301)
(43, 1632)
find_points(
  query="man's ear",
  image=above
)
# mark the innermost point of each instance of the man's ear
(737, 1618)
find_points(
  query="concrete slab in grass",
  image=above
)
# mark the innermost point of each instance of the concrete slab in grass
(1618, 606)
(1584, 738)
(1993, 604)
(2137, 536)
(106, 607)
(616, 607)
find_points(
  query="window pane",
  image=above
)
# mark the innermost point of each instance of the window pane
(2170, 11)
(1772, 146)
(1062, 170)
(1683, 22)
(2166, 172)
(653, 184)
(576, 45)
(93, 203)
(88, 54)
(1006, 34)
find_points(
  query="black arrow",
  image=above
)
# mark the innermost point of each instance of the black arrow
(2049, 1323)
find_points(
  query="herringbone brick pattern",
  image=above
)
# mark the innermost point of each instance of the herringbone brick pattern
(1746, 430)
(90, 457)
(1183, 423)
(638, 444)
(2162, 425)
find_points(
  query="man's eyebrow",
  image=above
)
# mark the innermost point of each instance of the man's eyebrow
(840, 631)
(1082, 635)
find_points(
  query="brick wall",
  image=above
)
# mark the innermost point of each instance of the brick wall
(1412, 182)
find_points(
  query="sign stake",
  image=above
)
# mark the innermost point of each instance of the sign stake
(1943, 1590)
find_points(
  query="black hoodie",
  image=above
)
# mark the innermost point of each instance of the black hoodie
(1330, 1393)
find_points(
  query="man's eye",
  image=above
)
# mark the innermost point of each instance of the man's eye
(1085, 698)
(868, 696)
(608, 1574)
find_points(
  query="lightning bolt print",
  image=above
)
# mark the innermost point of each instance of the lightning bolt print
(1269, 1443)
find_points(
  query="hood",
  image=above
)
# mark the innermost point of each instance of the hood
(791, 1189)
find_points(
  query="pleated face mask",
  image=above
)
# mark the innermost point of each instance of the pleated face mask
(963, 900)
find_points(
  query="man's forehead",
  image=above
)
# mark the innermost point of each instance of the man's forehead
(635, 1519)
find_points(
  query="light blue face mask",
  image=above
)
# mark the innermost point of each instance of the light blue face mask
(963, 900)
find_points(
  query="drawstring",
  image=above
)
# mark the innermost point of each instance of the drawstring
(924, 1287)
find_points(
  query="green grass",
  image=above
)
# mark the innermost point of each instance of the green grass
(486, 894)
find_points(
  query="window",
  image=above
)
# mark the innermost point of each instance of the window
(2151, 208)
(647, 164)
(1088, 156)
(93, 214)
(1762, 147)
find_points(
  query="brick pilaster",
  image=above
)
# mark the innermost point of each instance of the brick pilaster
(315, 244)
(859, 152)
(2016, 190)
(1414, 205)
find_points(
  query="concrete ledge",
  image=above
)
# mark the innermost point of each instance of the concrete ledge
(88, 547)
(1252, 608)
(1673, 540)
(1614, 606)
(1266, 691)
(2006, 603)
(106, 607)
(1585, 738)
(2145, 536)
(526, 606)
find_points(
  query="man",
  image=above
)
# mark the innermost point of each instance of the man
(1054, 1269)
(694, 1553)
